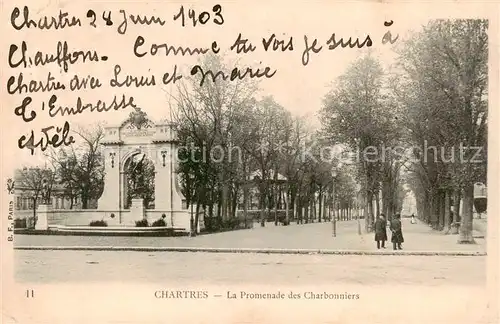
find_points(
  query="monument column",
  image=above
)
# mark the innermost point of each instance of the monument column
(162, 178)
(176, 188)
(110, 199)
(167, 190)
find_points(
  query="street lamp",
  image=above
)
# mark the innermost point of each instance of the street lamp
(193, 229)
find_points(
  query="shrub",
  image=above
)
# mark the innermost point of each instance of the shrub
(101, 223)
(254, 215)
(213, 224)
(232, 223)
(142, 223)
(20, 223)
(159, 223)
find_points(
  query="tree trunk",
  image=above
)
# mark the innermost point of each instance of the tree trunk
(245, 203)
(211, 210)
(262, 208)
(84, 202)
(196, 219)
(306, 211)
(225, 199)
(324, 206)
(300, 212)
(369, 211)
(427, 208)
(275, 202)
(320, 205)
(441, 210)
(447, 211)
(294, 206)
(228, 204)
(365, 212)
(34, 212)
(434, 209)
(234, 206)
(456, 210)
(465, 234)
(287, 211)
(313, 209)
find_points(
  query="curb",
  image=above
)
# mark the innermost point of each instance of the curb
(247, 250)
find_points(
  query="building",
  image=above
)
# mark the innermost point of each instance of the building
(25, 192)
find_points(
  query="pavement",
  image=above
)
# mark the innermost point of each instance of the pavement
(391, 289)
(415, 288)
(235, 268)
(420, 239)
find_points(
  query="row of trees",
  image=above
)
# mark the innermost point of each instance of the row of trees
(242, 141)
(427, 118)
(254, 140)
(403, 129)
(445, 93)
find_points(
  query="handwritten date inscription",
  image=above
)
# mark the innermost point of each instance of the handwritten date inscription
(201, 18)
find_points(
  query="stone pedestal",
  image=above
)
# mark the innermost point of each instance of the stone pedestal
(137, 209)
(42, 217)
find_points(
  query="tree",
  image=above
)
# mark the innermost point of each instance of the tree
(209, 116)
(445, 90)
(80, 168)
(38, 182)
(359, 114)
(263, 144)
(65, 163)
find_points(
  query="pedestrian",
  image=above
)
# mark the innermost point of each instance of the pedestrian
(397, 232)
(380, 231)
(413, 220)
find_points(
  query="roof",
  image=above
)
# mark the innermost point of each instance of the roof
(258, 173)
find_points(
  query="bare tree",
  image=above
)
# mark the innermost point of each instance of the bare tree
(80, 168)
(37, 182)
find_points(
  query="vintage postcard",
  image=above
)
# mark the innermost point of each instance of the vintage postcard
(249, 162)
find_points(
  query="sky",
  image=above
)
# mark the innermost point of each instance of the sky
(296, 87)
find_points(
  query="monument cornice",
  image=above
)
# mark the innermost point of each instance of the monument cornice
(117, 142)
(165, 141)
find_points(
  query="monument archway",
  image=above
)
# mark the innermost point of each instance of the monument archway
(138, 135)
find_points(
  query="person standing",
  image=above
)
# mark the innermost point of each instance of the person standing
(413, 220)
(397, 232)
(380, 231)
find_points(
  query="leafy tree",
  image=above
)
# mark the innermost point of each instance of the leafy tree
(444, 86)
(359, 114)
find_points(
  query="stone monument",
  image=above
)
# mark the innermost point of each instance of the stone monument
(157, 141)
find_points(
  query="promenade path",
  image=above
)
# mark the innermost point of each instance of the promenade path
(48, 266)
(418, 237)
